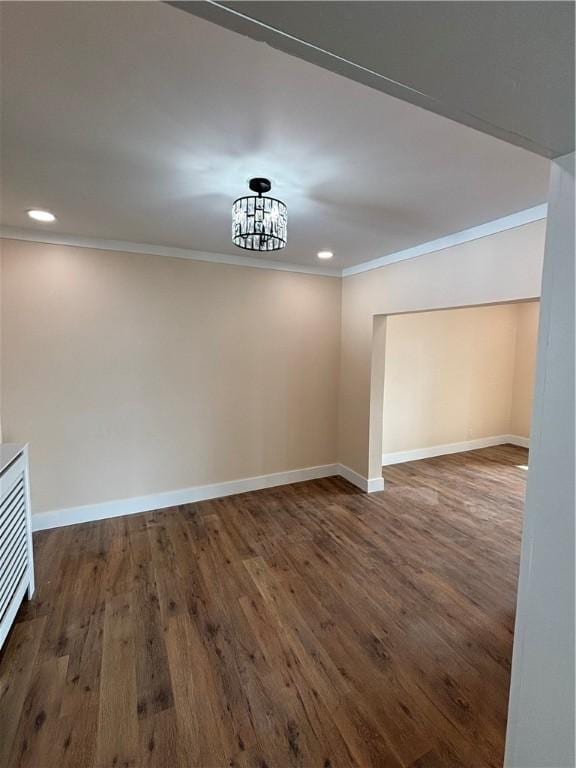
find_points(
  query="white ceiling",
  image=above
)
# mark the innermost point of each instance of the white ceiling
(136, 122)
(505, 68)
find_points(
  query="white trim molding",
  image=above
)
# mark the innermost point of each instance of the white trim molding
(366, 484)
(137, 504)
(527, 216)
(399, 457)
(122, 246)
(133, 506)
(518, 219)
(521, 442)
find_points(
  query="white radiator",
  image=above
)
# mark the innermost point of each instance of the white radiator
(16, 558)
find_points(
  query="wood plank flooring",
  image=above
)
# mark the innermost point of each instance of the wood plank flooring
(308, 625)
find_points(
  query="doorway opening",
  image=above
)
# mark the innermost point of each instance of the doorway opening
(456, 380)
(455, 390)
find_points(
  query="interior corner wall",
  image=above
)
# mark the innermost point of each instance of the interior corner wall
(458, 375)
(132, 374)
(527, 317)
(496, 269)
(448, 376)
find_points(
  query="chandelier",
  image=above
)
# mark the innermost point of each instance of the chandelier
(259, 223)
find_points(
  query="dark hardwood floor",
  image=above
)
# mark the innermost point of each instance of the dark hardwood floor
(308, 625)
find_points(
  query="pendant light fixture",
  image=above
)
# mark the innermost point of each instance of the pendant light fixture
(259, 223)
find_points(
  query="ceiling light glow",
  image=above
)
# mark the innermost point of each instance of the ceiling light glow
(325, 254)
(39, 215)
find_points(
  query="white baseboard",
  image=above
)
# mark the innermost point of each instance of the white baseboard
(400, 457)
(132, 506)
(368, 485)
(522, 442)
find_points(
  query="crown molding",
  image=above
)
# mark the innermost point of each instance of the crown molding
(35, 236)
(527, 216)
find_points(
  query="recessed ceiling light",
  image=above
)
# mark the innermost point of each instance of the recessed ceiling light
(325, 254)
(39, 215)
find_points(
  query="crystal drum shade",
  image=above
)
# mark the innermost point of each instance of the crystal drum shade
(259, 223)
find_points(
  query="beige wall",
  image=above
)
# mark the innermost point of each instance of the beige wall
(524, 368)
(458, 375)
(503, 267)
(132, 374)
